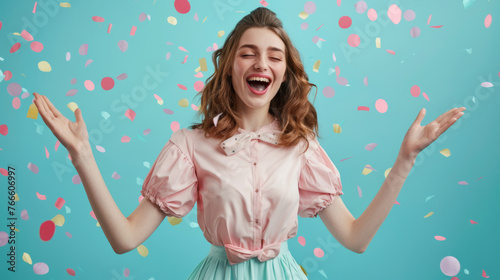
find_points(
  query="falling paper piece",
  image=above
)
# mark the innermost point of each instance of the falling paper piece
(415, 91)
(391, 52)
(47, 230)
(36, 46)
(167, 56)
(26, 35)
(142, 17)
(183, 87)
(196, 17)
(370, 146)
(415, 32)
(377, 42)
(15, 47)
(302, 240)
(126, 273)
(367, 169)
(484, 274)
(89, 85)
(487, 21)
(76, 179)
(172, 20)
(123, 45)
(342, 81)
(158, 99)
(381, 105)
(40, 196)
(97, 19)
(44, 66)
(142, 250)
(450, 266)
(4, 129)
(360, 193)
(310, 7)
(107, 83)
(115, 176)
(437, 26)
(87, 63)
(58, 220)
(100, 148)
(125, 139)
(71, 92)
(27, 258)
(184, 102)
(83, 49)
(70, 271)
(146, 131)
(318, 252)
(353, 40)
(328, 91)
(40, 268)
(174, 126)
(409, 15)
(394, 13)
(198, 86)
(445, 152)
(360, 7)
(174, 220)
(337, 128)
(463, 183)
(220, 33)
(468, 3)
(372, 14)
(182, 6)
(132, 31)
(109, 27)
(316, 66)
(14, 89)
(203, 64)
(429, 214)
(486, 84)
(33, 168)
(439, 238)
(122, 77)
(185, 59)
(216, 118)
(345, 22)
(68, 56)
(24, 214)
(59, 203)
(130, 114)
(363, 108)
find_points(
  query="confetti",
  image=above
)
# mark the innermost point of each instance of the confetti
(415, 91)
(468, 3)
(26, 35)
(146, 131)
(328, 92)
(33, 168)
(32, 112)
(71, 92)
(97, 19)
(360, 7)
(365, 81)
(24, 214)
(184, 102)
(304, 26)
(125, 139)
(172, 20)
(316, 66)
(93, 215)
(345, 22)
(220, 33)
(58, 220)
(341, 81)
(372, 14)
(429, 214)
(370, 146)
(450, 266)
(132, 31)
(486, 84)
(36, 46)
(394, 13)
(463, 183)
(27, 258)
(158, 99)
(46, 152)
(303, 15)
(367, 170)
(122, 77)
(44, 66)
(377, 42)
(115, 176)
(142, 17)
(107, 83)
(437, 26)
(68, 56)
(34, 7)
(76, 179)
(65, 5)
(445, 152)
(109, 27)
(363, 108)
(415, 32)
(14, 89)
(391, 52)
(198, 86)
(318, 252)
(59, 203)
(89, 85)
(182, 6)
(337, 128)
(409, 15)
(203, 64)
(83, 49)
(142, 250)
(263, 2)
(167, 56)
(183, 87)
(185, 59)
(70, 271)
(174, 126)
(439, 238)
(473, 222)
(309, 7)
(123, 45)
(130, 114)
(40, 268)
(487, 21)
(302, 240)
(15, 47)
(47, 230)
(101, 148)
(353, 40)
(360, 193)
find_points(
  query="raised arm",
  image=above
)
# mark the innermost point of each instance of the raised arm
(123, 234)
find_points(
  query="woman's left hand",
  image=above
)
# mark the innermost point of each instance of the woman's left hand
(419, 137)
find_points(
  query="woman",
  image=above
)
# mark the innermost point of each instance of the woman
(252, 165)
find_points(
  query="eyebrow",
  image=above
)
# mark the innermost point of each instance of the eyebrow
(255, 47)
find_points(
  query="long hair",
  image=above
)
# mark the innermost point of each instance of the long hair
(291, 106)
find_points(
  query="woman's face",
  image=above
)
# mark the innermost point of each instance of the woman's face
(260, 53)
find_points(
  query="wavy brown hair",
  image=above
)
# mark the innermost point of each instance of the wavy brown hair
(291, 106)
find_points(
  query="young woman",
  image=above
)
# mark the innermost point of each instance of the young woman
(253, 164)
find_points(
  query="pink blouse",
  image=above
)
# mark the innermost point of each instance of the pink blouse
(249, 199)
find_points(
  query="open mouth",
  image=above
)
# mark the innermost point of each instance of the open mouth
(259, 84)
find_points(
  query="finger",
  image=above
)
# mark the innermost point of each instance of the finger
(420, 117)
(78, 115)
(40, 104)
(45, 107)
(444, 118)
(53, 109)
(450, 122)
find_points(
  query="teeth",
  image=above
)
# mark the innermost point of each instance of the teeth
(258, 79)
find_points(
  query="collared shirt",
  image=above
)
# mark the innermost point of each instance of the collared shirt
(248, 200)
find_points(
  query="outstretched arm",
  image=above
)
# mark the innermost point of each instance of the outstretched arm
(356, 234)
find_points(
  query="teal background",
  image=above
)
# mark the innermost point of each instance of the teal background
(403, 248)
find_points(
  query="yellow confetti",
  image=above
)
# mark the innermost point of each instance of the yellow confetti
(174, 220)
(27, 258)
(303, 15)
(220, 33)
(203, 64)
(428, 215)
(172, 20)
(316, 66)
(387, 172)
(367, 170)
(72, 106)
(32, 112)
(337, 128)
(44, 66)
(377, 42)
(17, 34)
(97, 224)
(204, 20)
(198, 69)
(16, 197)
(183, 102)
(143, 251)
(58, 220)
(445, 152)
(65, 5)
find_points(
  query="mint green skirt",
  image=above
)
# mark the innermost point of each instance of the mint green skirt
(216, 266)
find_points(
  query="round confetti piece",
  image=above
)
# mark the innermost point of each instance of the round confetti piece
(146, 131)
(100, 148)
(487, 21)
(107, 83)
(304, 26)
(182, 6)
(328, 92)
(24, 214)
(381, 105)
(415, 32)
(4, 171)
(415, 91)
(47, 230)
(16, 102)
(4, 238)
(174, 126)
(220, 33)
(143, 251)
(372, 14)
(44, 66)
(198, 86)
(125, 139)
(40, 268)
(310, 7)
(8, 75)
(360, 7)
(33, 168)
(68, 56)
(184, 102)
(123, 45)
(97, 19)
(342, 81)
(14, 89)
(0, 25)
(409, 15)
(36, 46)
(142, 17)
(70, 271)
(71, 92)
(353, 40)
(315, 39)
(83, 49)
(394, 13)
(76, 179)
(89, 85)
(450, 266)
(345, 22)
(73, 81)
(126, 273)
(172, 20)
(15, 47)
(302, 240)
(318, 252)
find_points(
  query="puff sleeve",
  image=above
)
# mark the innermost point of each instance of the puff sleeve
(172, 183)
(319, 181)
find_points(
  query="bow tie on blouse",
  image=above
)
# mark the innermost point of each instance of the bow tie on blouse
(239, 141)
(237, 254)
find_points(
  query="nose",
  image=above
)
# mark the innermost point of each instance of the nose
(261, 63)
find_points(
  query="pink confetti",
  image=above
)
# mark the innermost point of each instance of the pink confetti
(337, 71)
(167, 56)
(363, 108)
(93, 215)
(125, 139)
(409, 15)
(463, 183)
(174, 126)
(36, 46)
(360, 7)
(40, 196)
(146, 131)
(130, 114)
(345, 22)
(370, 146)
(70, 271)
(47, 230)
(87, 63)
(57, 145)
(132, 31)
(14, 89)
(100, 148)
(8, 74)
(196, 17)
(365, 81)
(4, 238)
(391, 52)
(437, 26)
(486, 84)
(71, 92)
(4, 171)
(439, 238)
(33, 168)
(97, 19)
(15, 47)
(394, 13)
(450, 266)
(360, 193)
(76, 179)
(183, 87)
(168, 111)
(107, 83)
(302, 240)
(328, 92)
(353, 40)
(304, 25)
(415, 91)
(142, 17)
(183, 49)
(185, 59)
(83, 49)
(34, 8)
(115, 176)
(334, 58)
(487, 21)
(89, 85)
(397, 203)
(342, 81)
(122, 76)
(16, 102)
(157, 97)
(372, 14)
(199, 75)
(429, 19)
(59, 203)
(415, 32)
(126, 273)
(338, 2)
(473, 222)
(123, 45)
(68, 56)
(40, 268)
(318, 252)
(198, 86)
(46, 152)
(182, 6)
(109, 27)
(484, 274)
(24, 214)
(310, 7)
(68, 234)
(26, 35)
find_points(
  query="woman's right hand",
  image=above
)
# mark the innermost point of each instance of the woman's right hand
(73, 135)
